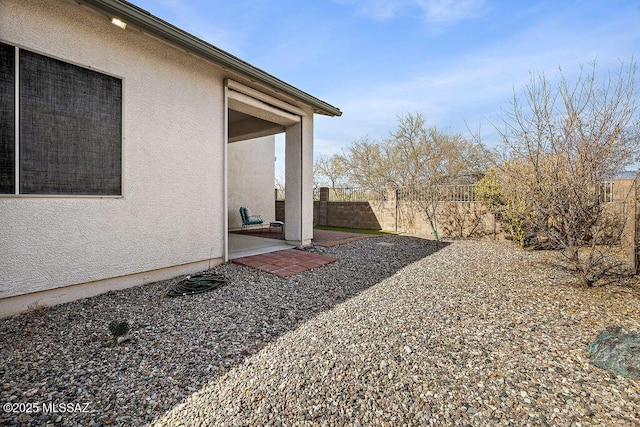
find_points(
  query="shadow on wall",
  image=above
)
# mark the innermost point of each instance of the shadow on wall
(346, 214)
(180, 344)
(340, 214)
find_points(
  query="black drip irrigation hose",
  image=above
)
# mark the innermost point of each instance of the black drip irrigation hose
(196, 284)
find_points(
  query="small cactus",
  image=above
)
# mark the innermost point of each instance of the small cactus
(118, 329)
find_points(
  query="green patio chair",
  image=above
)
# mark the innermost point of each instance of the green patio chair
(249, 220)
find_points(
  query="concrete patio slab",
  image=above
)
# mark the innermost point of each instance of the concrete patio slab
(326, 238)
(241, 245)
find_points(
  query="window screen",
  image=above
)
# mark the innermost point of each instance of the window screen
(70, 128)
(7, 119)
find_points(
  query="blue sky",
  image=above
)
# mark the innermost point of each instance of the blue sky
(456, 62)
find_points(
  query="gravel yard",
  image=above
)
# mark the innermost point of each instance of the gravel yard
(399, 331)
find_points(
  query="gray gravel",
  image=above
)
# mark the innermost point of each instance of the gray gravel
(399, 331)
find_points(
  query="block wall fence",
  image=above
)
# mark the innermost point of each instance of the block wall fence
(457, 219)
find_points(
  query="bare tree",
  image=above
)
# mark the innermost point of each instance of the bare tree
(562, 141)
(426, 159)
(417, 160)
(279, 186)
(279, 181)
(331, 169)
(367, 165)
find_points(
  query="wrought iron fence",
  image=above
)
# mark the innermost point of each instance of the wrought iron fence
(606, 192)
(451, 193)
(355, 195)
(442, 193)
(351, 195)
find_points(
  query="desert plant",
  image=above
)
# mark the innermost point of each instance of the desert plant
(562, 141)
(37, 310)
(118, 329)
(507, 203)
(463, 219)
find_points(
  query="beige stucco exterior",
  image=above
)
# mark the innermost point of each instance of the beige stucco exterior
(251, 184)
(299, 181)
(187, 165)
(170, 213)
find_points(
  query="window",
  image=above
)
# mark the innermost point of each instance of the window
(7, 119)
(68, 139)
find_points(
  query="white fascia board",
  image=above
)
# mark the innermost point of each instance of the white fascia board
(248, 105)
(239, 87)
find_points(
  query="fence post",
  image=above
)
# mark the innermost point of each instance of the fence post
(633, 229)
(323, 206)
(625, 200)
(636, 205)
(395, 200)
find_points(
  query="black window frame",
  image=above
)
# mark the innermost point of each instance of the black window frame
(67, 132)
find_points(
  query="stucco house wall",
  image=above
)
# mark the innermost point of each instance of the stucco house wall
(169, 219)
(250, 177)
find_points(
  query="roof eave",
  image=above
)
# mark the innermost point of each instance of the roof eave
(147, 22)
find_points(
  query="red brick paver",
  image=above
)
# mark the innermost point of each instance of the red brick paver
(285, 263)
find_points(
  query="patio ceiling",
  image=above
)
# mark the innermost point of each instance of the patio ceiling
(252, 118)
(243, 126)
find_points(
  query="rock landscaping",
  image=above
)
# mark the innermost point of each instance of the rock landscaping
(398, 331)
(617, 350)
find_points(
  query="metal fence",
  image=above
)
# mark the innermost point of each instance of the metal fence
(351, 195)
(355, 195)
(606, 192)
(446, 193)
(443, 193)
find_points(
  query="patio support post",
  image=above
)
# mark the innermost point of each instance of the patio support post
(299, 182)
(225, 176)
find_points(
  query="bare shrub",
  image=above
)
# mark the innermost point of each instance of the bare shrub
(464, 220)
(562, 141)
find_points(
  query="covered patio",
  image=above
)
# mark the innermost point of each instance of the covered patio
(253, 113)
